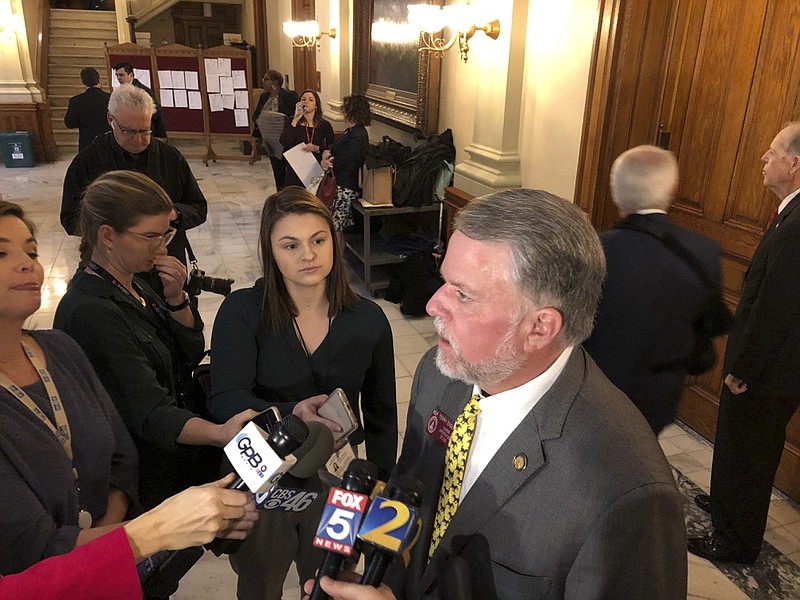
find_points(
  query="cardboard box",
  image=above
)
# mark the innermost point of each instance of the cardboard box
(376, 185)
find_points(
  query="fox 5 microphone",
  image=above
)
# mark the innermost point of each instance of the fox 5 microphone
(260, 460)
(391, 525)
(338, 526)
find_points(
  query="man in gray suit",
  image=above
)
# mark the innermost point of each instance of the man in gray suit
(565, 493)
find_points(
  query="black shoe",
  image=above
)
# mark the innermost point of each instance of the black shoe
(704, 502)
(715, 548)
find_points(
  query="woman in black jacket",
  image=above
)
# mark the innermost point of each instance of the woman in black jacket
(309, 128)
(347, 156)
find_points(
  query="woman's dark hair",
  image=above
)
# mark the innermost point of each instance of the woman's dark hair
(318, 116)
(9, 209)
(356, 109)
(118, 199)
(277, 306)
(273, 76)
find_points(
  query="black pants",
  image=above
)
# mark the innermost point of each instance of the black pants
(279, 171)
(749, 442)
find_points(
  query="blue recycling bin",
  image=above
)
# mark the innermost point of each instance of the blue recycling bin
(17, 148)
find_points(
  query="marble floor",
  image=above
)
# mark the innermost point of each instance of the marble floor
(226, 246)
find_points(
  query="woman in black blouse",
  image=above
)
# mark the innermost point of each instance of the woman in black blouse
(309, 128)
(347, 156)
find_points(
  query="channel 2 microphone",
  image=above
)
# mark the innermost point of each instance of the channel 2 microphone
(338, 526)
(391, 525)
(261, 459)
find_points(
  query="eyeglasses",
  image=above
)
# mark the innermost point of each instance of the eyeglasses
(156, 239)
(130, 132)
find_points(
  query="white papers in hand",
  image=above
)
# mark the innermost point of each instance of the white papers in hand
(304, 164)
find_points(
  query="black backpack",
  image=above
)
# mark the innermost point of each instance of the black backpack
(415, 178)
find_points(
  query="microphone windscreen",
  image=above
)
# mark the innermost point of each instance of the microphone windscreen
(314, 452)
(295, 426)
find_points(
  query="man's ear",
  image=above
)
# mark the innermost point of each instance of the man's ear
(540, 327)
(110, 120)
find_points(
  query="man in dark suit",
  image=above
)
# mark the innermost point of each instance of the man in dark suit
(762, 362)
(87, 111)
(124, 73)
(651, 297)
(565, 491)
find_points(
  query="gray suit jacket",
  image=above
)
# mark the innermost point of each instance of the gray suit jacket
(594, 514)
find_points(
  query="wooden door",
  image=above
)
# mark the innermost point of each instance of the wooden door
(304, 59)
(719, 80)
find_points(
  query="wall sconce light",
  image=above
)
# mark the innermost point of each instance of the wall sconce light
(306, 34)
(431, 19)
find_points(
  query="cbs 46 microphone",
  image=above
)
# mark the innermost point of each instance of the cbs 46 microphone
(391, 525)
(341, 517)
(261, 459)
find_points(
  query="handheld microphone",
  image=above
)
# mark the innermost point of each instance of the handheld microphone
(340, 520)
(391, 525)
(261, 458)
(293, 447)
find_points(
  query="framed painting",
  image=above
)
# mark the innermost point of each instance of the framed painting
(401, 83)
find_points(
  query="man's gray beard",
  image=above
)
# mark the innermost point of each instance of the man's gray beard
(496, 369)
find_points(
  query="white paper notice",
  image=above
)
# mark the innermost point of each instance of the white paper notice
(212, 67)
(212, 84)
(178, 80)
(143, 75)
(192, 83)
(181, 101)
(241, 99)
(195, 101)
(215, 102)
(228, 101)
(165, 79)
(239, 81)
(240, 115)
(226, 85)
(304, 164)
(166, 99)
(224, 67)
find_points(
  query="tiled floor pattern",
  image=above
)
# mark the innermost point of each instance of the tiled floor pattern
(226, 246)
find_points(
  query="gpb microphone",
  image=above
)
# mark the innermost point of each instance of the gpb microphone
(260, 458)
(311, 445)
(391, 525)
(341, 518)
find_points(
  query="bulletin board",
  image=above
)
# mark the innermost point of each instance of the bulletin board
(228, 90)
(180, 91)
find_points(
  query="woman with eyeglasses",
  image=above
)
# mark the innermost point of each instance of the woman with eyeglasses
(298, 334)
(143, 347)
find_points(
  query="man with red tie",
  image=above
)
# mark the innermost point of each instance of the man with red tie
(762, 385)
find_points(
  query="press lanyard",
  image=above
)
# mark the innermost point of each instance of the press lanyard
(310, 138)
(61, 428)
(98, 270)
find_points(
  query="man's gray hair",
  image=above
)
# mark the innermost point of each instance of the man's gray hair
(131, 97)
(556, 256)
(793, 144)
(644, 177)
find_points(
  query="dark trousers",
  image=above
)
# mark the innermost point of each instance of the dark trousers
(279, 171)
(749, 442)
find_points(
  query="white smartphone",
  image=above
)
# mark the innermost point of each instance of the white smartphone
(337, 409)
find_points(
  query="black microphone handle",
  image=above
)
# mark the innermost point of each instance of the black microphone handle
(375, 569)
(360, 477)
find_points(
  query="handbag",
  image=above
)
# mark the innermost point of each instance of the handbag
(326, 191)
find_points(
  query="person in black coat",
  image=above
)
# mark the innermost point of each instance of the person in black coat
(309, 128)
(346, 156)
(87, 111)
(762, 366)
(651, 297)
(276, 99)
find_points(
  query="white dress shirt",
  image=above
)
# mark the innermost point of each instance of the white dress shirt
(501, 414)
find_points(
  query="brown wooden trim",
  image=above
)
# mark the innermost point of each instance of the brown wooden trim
(454, 200)
(43, 44)
(261, 38)
(33, 117)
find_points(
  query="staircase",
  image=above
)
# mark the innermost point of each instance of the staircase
(77, 40)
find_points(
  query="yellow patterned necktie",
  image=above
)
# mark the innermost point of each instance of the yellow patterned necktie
(455, 464)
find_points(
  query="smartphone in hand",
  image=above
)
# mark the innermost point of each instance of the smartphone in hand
(337, 409)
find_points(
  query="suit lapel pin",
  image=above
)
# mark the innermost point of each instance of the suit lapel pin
(520, 462)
